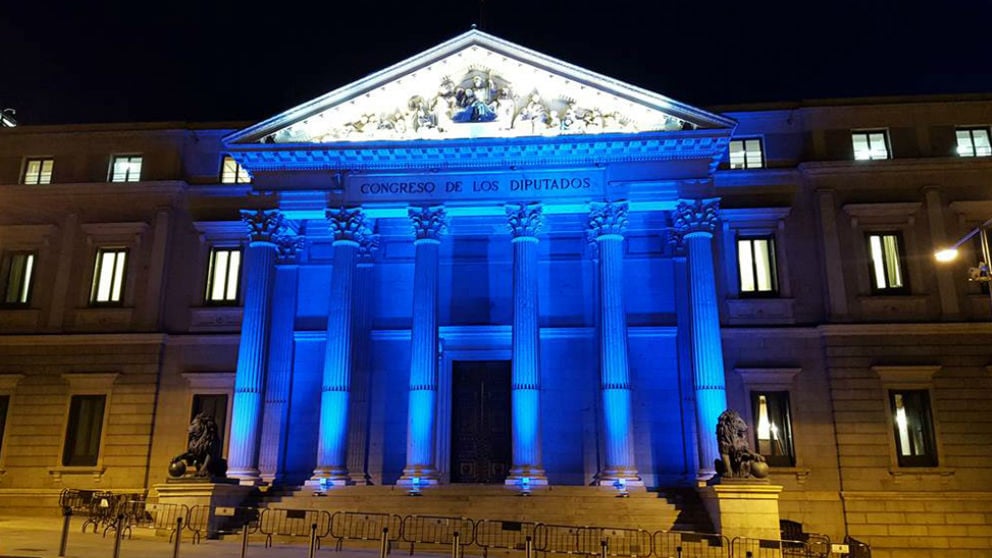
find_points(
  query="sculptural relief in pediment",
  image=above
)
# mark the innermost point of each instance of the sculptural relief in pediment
(501, 99)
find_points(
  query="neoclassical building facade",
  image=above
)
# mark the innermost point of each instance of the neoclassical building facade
(483, 265)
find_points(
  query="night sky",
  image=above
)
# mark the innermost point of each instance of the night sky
(213, 61)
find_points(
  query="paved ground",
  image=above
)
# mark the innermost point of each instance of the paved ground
(39, 537)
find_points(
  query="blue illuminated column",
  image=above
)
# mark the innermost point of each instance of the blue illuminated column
(428, 225)
(695, 221)
(249, 380)
(348, 228)
(525, 221)
(275, 419)
(361, 361)
(607, 222)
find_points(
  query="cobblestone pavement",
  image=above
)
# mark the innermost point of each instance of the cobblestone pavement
(39, 537)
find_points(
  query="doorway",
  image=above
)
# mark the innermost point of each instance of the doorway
(481, 443)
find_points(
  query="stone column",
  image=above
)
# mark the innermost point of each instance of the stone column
(695, 222)
(428, 225)
(275, 417)
(249, 380)
(607, 222)
(361, 361)
(348, 228)
(524, 222)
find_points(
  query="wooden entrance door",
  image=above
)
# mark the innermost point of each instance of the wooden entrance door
(481, 444)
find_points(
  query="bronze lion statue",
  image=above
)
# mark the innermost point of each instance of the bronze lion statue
(736, 456)
(203, 451)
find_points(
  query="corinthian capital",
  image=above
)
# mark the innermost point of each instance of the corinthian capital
(368, 247)
(263, 224)
(428, 222)
(287, 247)
(696, 216)
(524, 219)
(609, 218)
(347, 224)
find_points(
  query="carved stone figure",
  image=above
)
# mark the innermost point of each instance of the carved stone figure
(203, 451)
(736, 458)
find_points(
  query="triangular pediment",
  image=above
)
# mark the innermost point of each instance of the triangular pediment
(478, 86)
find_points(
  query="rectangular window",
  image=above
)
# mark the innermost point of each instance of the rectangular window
(870, 145)
(756, 262)
(83, 431)
(773, 427)
(974, 142)
(747, 154)
(4, 407)
(125, 168)
(38, 171)
(913, 428)
(222, 277)
(18, 268)
(108, 276)
(213, 405)
(233, 173)
(887, 273)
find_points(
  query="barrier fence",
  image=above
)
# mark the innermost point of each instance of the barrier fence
(117, 513)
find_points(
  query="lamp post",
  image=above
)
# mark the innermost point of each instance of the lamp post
(980, 273)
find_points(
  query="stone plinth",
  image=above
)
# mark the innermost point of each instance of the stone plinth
(209, 495)
(743, 508)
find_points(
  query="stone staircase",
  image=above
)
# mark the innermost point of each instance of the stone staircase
(559, 505)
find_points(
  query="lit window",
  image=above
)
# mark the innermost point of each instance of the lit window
(222, 278)
(870, 145)
(756, 262)
(38, 171)
(4, 405)
(974, 142)
(887, 274)
(18, 270)
(747, 154)
(913, 428)
(83, 431)
(108, 276)
(233, 173)
(773, 427)
(125, 168)
(213, 405)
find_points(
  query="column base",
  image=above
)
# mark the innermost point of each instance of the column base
(425, 475)
(246, 477)
(535, 476)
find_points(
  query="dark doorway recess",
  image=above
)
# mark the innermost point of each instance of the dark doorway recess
(481, 445)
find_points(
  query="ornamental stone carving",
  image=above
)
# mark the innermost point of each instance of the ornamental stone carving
(524, 219)
(609, 218)
(347, 225)
(263, 224)
(696, 216)
(428, 222)
(288, 246)
(367, 248)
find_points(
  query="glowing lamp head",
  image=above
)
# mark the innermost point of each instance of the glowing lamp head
(946, 255)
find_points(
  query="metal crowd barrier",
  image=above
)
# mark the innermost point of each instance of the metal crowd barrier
(294, 523)
(104, 509)
(776, 548)
(683, 544)
(623, 542)
(455, 532)
(165, 517)
(366, 526)
(508, 535)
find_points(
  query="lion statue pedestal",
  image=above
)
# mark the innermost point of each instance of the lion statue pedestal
(740, 499)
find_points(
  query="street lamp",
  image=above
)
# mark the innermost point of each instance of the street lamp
(980, 273)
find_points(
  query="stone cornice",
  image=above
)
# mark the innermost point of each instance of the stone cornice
(84, 339)
(942, 165)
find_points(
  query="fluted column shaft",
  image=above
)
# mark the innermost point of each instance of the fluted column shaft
(607, 223)
(525, 221)
(695, 222)
(421, 419)
(332, 440)
(249, 379)
(275, 418)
